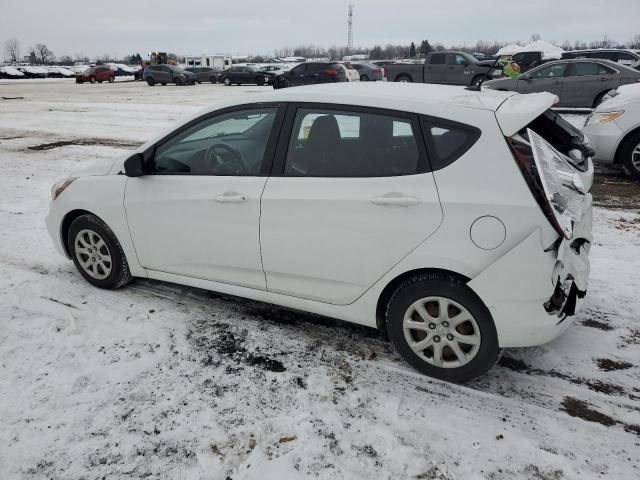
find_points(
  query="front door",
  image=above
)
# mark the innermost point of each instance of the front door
(458, 71)
(547, 78)
(435, 70)
(351, 196)
(196, 210)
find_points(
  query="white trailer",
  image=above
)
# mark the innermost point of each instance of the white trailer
(221, 62)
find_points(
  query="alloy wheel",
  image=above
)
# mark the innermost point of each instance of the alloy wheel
(635, 157)
(93, 254)
(441, 332)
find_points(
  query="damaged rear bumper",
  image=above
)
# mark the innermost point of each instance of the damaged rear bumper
(533, 290)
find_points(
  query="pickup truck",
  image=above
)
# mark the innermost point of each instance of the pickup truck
(453, 68)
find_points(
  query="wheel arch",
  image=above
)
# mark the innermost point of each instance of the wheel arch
(391, 287)
(617, 159)
(66, 225)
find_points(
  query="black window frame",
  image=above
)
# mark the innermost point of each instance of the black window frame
(286, 133)
(433, 55)
(269, 152)
(428, 122)
(569, 73)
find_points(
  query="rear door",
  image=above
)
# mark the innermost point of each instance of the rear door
(296, 75)
(350, 196)
(435, 70)
(547, 78)
(585, 81)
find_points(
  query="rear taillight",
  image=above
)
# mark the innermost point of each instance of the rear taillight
(553, 181)
(376, 70)
(330, 71)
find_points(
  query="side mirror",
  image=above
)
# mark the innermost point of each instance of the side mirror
(465, 64)
(526, 77)
(134, 165)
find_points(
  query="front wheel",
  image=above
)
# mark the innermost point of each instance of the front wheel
(150, 81)
(92, 79)
(227, 81)
(111, 79)
(630, 156)
(442, 328)
(97, 254)
(404, 79)
(364, 78)
(478, 81)
(259, 81)
(178, 81)
(213, 79)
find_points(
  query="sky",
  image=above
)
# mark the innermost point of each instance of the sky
(121, 27)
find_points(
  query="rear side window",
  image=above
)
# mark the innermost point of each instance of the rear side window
(438, 58)
(582, 69)
(342, 143)
(447, 141)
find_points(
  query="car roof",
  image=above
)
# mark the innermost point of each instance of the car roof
(601, 50)
(412, 97)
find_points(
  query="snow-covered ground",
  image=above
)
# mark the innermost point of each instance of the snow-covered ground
(161, 381)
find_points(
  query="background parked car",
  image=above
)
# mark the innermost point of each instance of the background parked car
(33, 72)
(368, 72)
(453, 68)
(204, 74)
(245, 74)
(528, 60)
(164, 74)
(311, 73)
(275, 69)
(613, 129)
(577, 83)
(625, 57)
(10, 72)
(99, 73)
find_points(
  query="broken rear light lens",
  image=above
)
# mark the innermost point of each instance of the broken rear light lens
(330, 71)
(552, 179)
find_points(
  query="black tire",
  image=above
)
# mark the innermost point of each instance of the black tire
(479, 80)
(364, 78)
(404, 78)
(150, 81)
(227, 81)
(92, 79)
(120, 274)
(627, 156)
(178, 81)
(450, 288)
(164, 84)
(598, 99)
(213, 79)
(259, 81)
(112, 79)
(79, 81)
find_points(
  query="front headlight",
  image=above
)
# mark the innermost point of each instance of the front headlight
(60, 187)
(602, 117)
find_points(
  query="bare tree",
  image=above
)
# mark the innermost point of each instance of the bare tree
(635, 42)
(65, 60)
(535, 37)
(12, 50)
(43, 53)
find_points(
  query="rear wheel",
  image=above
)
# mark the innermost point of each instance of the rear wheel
(164, 84)
(442, 328)
(178, 81)
(630, 155)
(150, 81)
(92, 79)
(227, 81)
(598, 99)
(364, 78)
(111, 79)
(97, 254)
(404, 79)
(259, 81)
(213, 79)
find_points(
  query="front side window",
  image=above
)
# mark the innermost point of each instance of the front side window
(327, 143)
(456, 59)
(550, 71)
(228, 144)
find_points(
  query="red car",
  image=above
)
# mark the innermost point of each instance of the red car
(96, 74)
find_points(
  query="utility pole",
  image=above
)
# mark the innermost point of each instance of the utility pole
(350, 25)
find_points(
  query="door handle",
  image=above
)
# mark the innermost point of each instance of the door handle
(396, 200)
(603, 79)
(232, 197)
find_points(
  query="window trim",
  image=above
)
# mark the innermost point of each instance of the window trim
(427, 122)
(572, 67)
(286, 133)
(269, 152)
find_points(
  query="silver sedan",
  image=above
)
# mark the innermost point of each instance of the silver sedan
(576, 82)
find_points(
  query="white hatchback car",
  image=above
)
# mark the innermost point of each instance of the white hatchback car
(613, 129)
(444, 214)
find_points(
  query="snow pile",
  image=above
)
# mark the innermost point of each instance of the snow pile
(11, 71)
(631, 90)
(34, 70)
(549, 50)
(65, 72)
